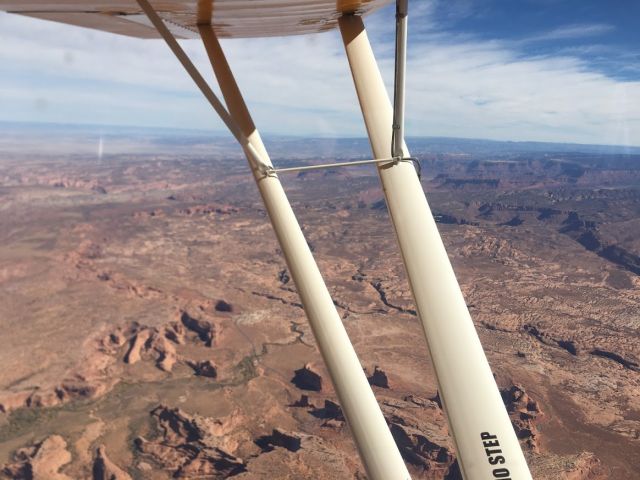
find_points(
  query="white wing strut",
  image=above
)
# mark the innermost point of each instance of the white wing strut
(376, 446)
(485, 440)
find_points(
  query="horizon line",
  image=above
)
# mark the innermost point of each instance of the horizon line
(224, 133)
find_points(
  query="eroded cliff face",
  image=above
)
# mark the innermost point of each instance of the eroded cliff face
(152, 330)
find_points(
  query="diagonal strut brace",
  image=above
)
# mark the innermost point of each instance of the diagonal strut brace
(257, 161)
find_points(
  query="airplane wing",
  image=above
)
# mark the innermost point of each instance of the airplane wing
(229, 18)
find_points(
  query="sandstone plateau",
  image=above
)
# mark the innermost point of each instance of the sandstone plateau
(150, 328)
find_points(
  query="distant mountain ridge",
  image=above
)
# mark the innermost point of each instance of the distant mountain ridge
(283, 146)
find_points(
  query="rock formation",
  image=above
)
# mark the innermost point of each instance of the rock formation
(303, 401)
(137, 345)
(523, 411)
(166, 351)
(378, 378)
(105, 469)
(222, 306)
(306, 378)
(330, 411)
(175, 332)
(10, 401)
(204, 368)
(42, 461)
(204, 328)
(191, 445)
(291, 441)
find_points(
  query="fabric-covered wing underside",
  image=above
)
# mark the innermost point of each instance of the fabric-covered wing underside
(230, 18)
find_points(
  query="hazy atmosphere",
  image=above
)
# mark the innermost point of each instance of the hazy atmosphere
(566, 71)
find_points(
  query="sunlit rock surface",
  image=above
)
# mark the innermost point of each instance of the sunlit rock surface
(151, 329)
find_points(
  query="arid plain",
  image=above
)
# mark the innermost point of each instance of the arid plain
(150, 329)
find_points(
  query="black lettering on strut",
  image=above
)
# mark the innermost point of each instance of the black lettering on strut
(495, 456)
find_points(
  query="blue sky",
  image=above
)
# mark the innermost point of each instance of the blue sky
(541, 70)
(604, 34)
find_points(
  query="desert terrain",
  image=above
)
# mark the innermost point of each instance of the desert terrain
(150, 329)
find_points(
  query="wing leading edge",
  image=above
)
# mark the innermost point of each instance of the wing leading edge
(229, 18)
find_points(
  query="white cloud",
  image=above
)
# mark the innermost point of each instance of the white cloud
(572, 31)
(457, 86)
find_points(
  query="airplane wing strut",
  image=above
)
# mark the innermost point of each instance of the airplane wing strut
(486, 443)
